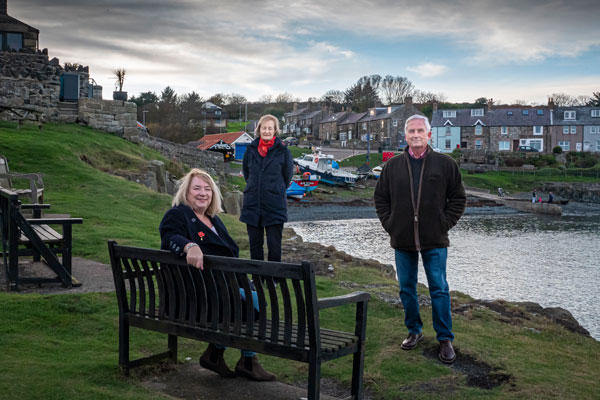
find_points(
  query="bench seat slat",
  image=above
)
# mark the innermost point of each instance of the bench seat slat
(45, 232)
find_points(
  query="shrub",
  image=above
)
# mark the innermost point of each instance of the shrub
(587, 162)
(514, 162)
(557, 150)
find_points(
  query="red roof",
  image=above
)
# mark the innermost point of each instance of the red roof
(208, 140)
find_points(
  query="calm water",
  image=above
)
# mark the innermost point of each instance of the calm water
(554, 262)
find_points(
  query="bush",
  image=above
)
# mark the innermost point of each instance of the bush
(544, 160)
(514, 162)
(557, 150)
(456, 154)
(587, 162)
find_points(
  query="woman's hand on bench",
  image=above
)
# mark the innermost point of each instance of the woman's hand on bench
(195, 257)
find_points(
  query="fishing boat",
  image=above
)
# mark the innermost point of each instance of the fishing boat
(376, 171)
(301, 185)
(324, 166)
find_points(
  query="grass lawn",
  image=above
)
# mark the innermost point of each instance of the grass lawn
(65, 346)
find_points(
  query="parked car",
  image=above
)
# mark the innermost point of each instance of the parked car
(290, 141)
(528, 149)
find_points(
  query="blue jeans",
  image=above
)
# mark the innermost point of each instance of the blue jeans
(434, 263)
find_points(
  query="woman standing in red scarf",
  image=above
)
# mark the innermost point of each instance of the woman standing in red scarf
(268, 168)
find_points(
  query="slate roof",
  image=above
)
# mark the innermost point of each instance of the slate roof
(312, 114)
(336, 117)
(297, 112)
(510, 116)
(583, 116)
(352, 118)
(8, 20)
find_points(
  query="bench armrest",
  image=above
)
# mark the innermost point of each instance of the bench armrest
(35, 206)
(50, 221)
(33, 177)
(355, 297)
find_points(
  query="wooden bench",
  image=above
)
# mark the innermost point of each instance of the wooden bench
(21, 236)
(160, 292)
(35, 192)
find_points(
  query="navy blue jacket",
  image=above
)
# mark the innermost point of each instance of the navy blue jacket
(267, 179)
(180, 226)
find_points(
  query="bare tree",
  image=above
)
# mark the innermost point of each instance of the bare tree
(583, 100)
(422, 97)
(520, 102)
(266, 99)
(396, 89)
(563, 99)
(284, 97)
(333, 97)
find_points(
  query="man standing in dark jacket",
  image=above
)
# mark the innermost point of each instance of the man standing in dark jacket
(268, 168)
(418, 198)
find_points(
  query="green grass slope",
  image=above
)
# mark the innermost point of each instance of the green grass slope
(65, 346)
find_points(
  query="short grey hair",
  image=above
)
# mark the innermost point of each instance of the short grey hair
(265, 118)
(180, 197)
(418, 116)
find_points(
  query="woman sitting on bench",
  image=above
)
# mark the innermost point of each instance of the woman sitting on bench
(191, 228)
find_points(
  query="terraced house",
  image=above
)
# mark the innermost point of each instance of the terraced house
(291, 121)
(492, 129)
(384, 126)
(577, 128)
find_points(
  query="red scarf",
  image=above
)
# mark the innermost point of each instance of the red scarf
(263, 146)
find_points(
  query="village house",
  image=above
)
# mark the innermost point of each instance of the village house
(309, 123)
(576, 128)
(328, 130)
(291, 121)
(451, 129)
(384, 126)
(347, 128)
(14, 34)
(213, 115)
(232, 144)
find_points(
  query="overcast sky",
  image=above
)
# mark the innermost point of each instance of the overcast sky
(503, 49)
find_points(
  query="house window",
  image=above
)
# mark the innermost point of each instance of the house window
(525, 112)
(595, 113)
(565, 145)
(478, 144)
(573, 130)
(364, 126)
(395, 122)
(448, 144)
(598, 145)
(343, 136)
(11, 41)
(477, 112)
(509, 113)
(382, 124)
(448, 131)
(565, 130)
(540, 112)
(569, 114)
(538, 130)
(449, 114)
(536, 144)
(504, 145)
(478, 129)
(217, 112)
(504, 130)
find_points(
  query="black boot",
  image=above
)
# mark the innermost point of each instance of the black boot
(250, 368)
(213, 360)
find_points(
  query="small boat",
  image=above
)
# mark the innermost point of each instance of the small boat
(376, 171)
(301, 185)
(324, 166)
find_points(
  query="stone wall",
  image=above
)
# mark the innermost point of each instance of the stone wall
(210, 161)
(588, 193)
(31, 81)
(114, 116)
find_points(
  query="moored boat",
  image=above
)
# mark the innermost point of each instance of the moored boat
(324, 166)
(301, 185)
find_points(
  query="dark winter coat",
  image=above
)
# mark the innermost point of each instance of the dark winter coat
(180, 226)
(267, 180)
(420, 221)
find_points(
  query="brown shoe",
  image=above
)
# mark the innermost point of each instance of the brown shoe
(447, 354)
(411, 341)
(249, 367)
(213, 360)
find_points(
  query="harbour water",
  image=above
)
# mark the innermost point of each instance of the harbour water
(554, 262)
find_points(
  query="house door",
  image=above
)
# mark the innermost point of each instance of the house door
(515, 145)
(69, 87)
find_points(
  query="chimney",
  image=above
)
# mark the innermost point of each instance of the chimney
(408, 101)
(550, 102)
(295, 107)
(435, 105)
(3, 7)
(389, 109)
(490, 104)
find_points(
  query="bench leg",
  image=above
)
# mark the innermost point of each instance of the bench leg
(66, 252)
(173, 348)
(314, 379)
(357, 373)
(124, 344)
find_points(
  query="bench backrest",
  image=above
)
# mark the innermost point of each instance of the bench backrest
(160, 285)
(4, 182)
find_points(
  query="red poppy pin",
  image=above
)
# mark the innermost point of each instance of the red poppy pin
(201, 235)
